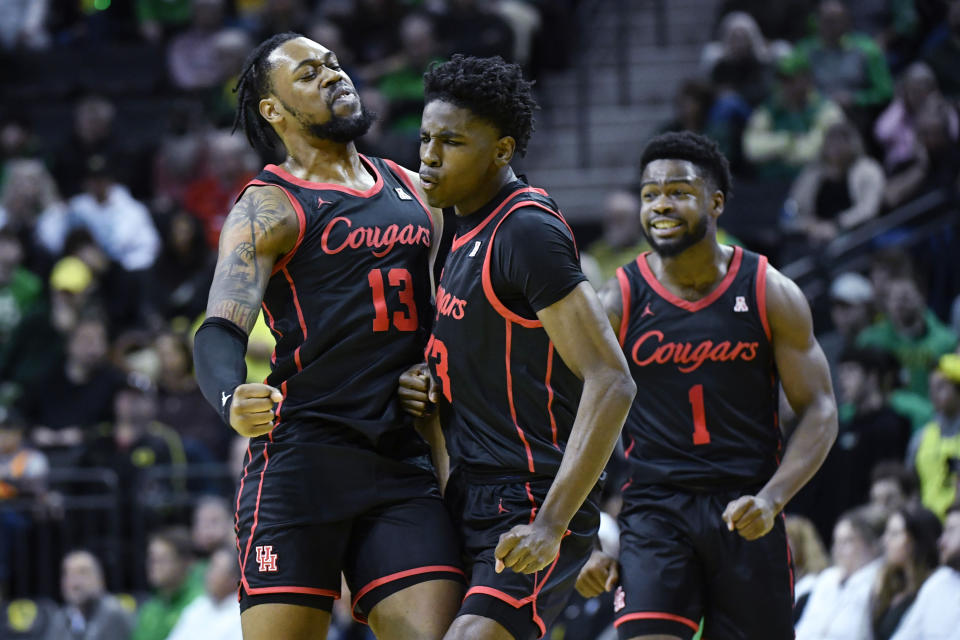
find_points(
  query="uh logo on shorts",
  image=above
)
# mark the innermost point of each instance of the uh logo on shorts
(266, 558)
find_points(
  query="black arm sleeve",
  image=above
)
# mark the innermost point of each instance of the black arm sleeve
(219, 347)
(535, 261)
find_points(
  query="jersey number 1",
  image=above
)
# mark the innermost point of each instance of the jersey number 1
(700, 433)
(403, 321)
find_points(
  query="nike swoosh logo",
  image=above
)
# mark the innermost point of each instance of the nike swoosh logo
(223, 398)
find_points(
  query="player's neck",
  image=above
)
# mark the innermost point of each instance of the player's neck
(484, 195)
(329, 162)
(699, 267)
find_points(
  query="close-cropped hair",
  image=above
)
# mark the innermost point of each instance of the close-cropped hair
(696, 149)
(490, 88)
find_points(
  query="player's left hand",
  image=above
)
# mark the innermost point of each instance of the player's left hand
(418, 391)
(527, 548)
(751, 516)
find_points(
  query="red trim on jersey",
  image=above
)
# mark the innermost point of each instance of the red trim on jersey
(626, 454)
(789, 554)
(762, 295)
(510, 600)
(256, 518)
(283, 391)
(401, 173)
(460, 241)
(312, 591)
(513, 409)
(533, 502)
(696, 305)
(296, 303)
(656, 615)
(280, 172)
(302, 223)
(486, 278)
(436, 568)
(546, 381)
(624, 304)
(236, 513)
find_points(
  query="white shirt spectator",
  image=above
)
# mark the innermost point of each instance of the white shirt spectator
(935, 614)
(839, 611)
(121, 225)
(209, 620)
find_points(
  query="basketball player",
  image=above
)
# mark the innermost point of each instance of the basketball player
(712, 332)
(532, 388)
(336, 249)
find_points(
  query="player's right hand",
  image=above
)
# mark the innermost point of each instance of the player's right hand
(251, 412)
(418, 391)
(601, 573)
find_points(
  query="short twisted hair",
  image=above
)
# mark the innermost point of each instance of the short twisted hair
(491, 88)
(695, 148)
(253, 86)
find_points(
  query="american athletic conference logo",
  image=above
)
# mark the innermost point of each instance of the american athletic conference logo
(266, 558)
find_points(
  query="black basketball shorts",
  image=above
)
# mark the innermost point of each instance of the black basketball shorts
(524, 604)
(307, 512)
(679, 563)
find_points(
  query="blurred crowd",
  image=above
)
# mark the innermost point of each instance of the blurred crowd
(117, 168)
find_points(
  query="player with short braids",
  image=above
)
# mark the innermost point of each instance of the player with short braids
(253, 85)
(491, 88)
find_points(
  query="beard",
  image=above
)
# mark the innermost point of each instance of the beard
(338, 129)
(676, 247)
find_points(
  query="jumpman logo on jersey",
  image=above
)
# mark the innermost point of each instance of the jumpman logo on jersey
(741, 305)
(500, 508)
(647, 311)
(224, 397)
(321, 202)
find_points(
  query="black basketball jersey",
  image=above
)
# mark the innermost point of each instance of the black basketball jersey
(349, 305)
(705, 415)
(509, 400)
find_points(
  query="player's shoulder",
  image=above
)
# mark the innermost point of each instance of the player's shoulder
(268, 207)
(532, 220)
(786, 306)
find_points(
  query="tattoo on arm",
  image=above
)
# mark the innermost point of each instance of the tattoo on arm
(260, 228)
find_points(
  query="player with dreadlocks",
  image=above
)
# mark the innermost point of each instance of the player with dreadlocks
(531, 384)
(336, 249)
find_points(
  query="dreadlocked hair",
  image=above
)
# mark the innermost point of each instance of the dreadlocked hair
(254, 85)
(491, 88)
(695, 148)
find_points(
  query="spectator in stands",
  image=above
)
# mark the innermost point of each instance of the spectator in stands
(214, 615)
(886, 265)
(400, 78)
(77, 395)
(120, 224)
(229, 167)
(910, 556)
(870, 431)
(935, 450)
(851, 311)
(895, 129)
(786, 131)
(621, 238)
(848, 67)
(182, 273)
(892, 486)
(93, 134)
(169, 559)
(22, 25)
(21, 291)
(191, 55)
(809, 559)
(89, 611)
(838, 192)
(28, 196)
(474, 28)
(935, 613)
(936, 161)
(740, 61)
(911, 332)
(785, 20)
(943, 51)
(179, 402)
(838, 608)
(211, 529)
